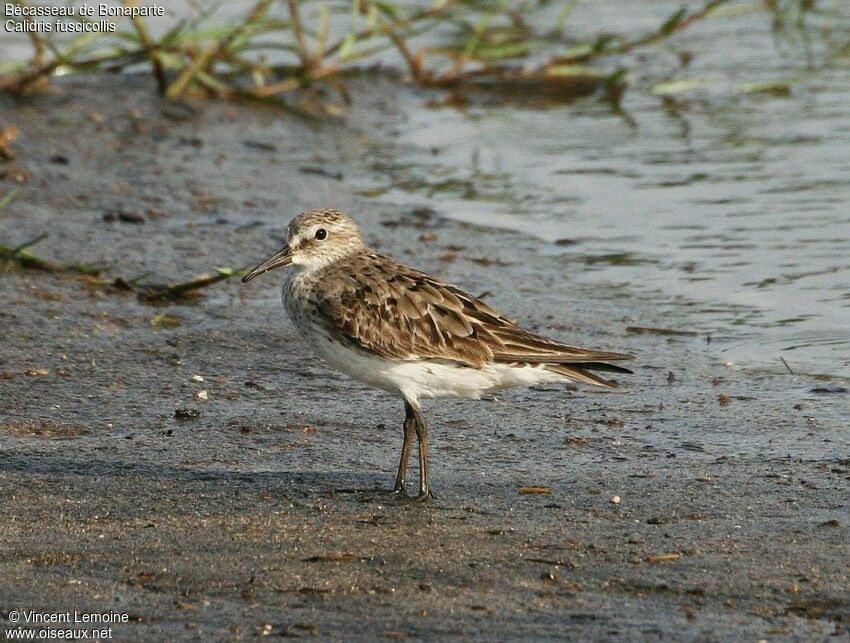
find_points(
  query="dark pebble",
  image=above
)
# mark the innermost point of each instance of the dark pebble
(336, 176)
(260, 145)
(827, 390)
(124, 217)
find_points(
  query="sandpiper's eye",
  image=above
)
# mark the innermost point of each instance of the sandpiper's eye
(321, 234)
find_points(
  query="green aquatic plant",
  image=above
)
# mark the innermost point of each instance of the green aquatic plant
(470, 44)
(21, 256)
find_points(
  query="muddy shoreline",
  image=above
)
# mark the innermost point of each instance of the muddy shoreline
(733, 485)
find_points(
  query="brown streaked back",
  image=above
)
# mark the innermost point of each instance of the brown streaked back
(377, 304)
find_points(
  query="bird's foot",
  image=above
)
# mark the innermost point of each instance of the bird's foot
(424, 496)
(400, 491)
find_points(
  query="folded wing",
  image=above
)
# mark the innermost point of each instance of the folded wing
(394, 311)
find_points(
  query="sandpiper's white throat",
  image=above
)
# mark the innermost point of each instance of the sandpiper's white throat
(398, 329)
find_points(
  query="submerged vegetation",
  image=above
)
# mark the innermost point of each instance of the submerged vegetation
(22, 257)
(279, 47)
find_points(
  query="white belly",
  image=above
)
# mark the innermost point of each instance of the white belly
(424, 378)
(414, 379)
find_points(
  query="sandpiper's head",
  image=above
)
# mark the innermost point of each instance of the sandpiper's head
(314, 239)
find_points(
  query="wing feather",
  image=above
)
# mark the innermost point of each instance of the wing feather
(384, 307)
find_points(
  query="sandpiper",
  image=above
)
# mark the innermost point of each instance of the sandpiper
(400, 330)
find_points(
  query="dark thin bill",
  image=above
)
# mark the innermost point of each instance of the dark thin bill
(282, 258)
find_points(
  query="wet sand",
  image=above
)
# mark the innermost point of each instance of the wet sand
(732, 520)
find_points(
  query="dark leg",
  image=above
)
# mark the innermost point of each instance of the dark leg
(412, 422)
(422, 439)
(409, 428)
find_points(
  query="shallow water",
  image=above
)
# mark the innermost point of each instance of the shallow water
(735, 206)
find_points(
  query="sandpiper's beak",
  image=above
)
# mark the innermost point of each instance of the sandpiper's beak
(282, 258)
